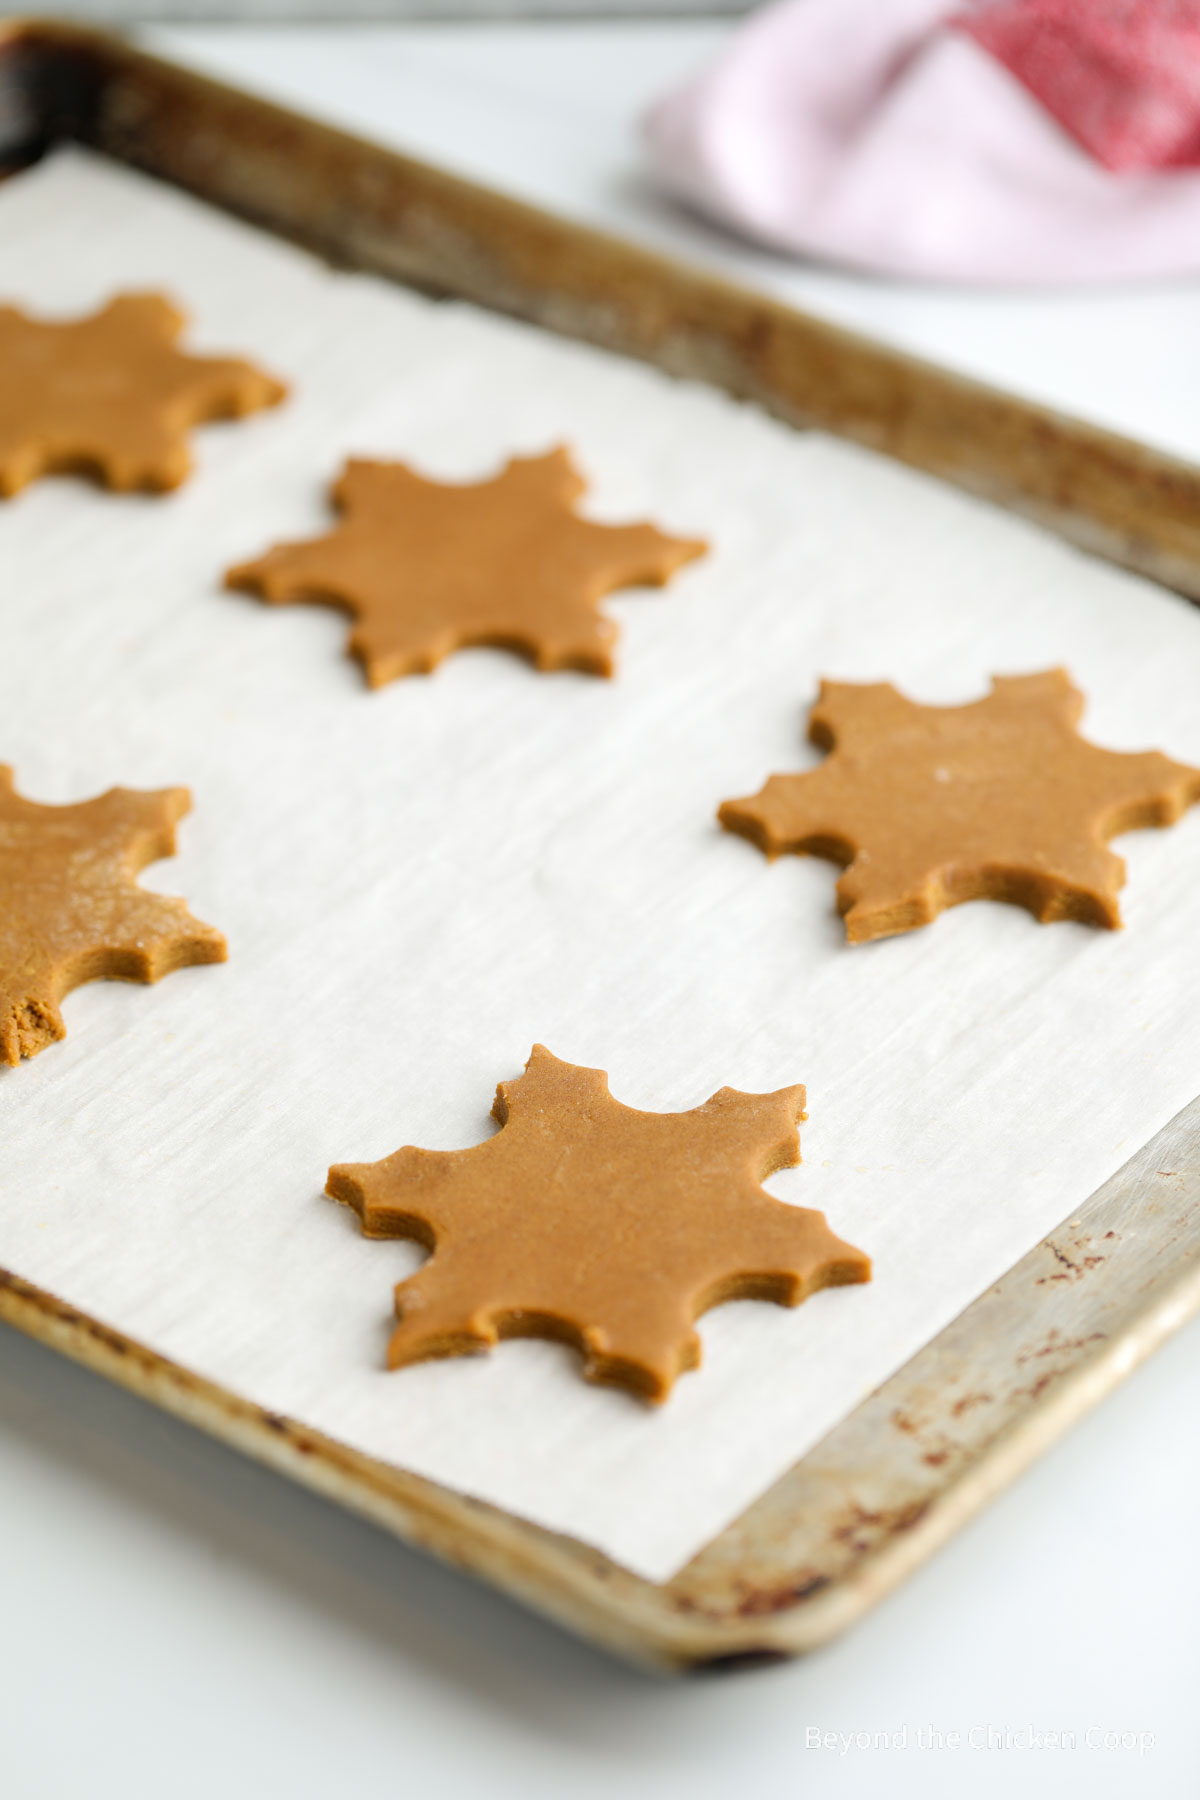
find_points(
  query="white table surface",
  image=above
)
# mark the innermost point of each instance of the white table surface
(181, 1623)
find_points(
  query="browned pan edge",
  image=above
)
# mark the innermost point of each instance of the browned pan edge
(890, 1484)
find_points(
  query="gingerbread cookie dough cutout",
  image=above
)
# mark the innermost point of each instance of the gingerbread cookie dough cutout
(111, 396)
(929, 806)
(71, 910)
(587, 1221)
(426, 568)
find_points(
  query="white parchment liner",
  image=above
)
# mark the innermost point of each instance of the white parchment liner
(417, 884)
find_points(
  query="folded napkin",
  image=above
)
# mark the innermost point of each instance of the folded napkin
(1013, 141)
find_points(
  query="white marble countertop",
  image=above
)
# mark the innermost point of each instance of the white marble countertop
(181, 1623)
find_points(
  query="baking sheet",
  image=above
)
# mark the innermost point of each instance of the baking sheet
(417, 884)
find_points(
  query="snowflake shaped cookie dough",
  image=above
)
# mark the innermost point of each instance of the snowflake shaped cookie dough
(71, 910)
(586, 1221)
(111, 396)
(928, 806)
(426, 568)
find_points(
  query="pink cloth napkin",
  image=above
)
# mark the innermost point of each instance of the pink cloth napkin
(1011, 141)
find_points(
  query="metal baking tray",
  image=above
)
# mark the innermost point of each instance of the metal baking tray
(931, 1445)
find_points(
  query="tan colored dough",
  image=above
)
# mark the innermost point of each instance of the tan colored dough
(426, 568)
(929, 806)
(586, 1221)
(71, 910)
(110, 395)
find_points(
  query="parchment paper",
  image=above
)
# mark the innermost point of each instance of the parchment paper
(417, 884)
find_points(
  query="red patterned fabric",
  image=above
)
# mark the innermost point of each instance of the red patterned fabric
(1122, 76)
